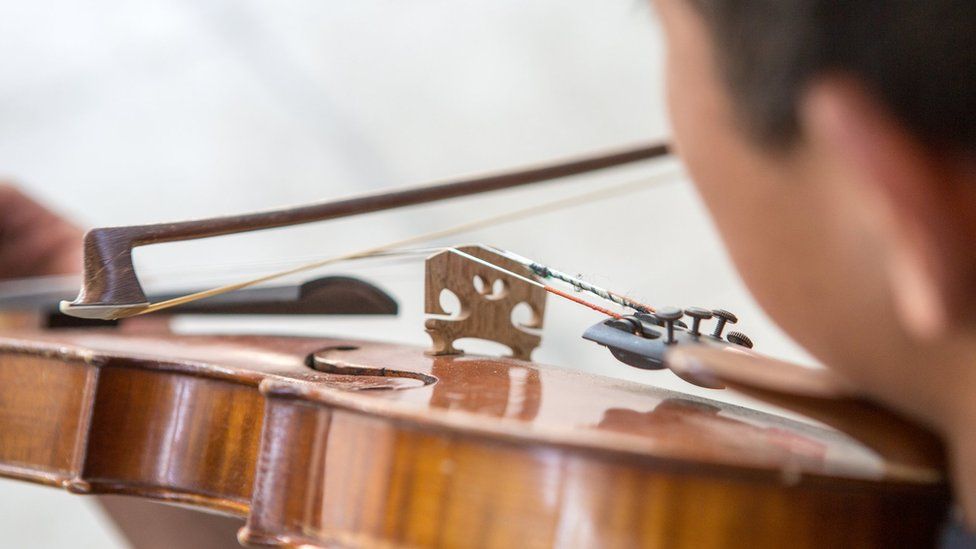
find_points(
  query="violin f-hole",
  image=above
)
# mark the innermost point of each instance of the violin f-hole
(340, 360)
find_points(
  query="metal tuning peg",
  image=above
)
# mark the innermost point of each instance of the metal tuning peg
(739, 338)
(724, 317)
(697, 314)
(633, 340)
(624, 324)
(669, 315)
(636, 340)
(634, 325)
(650, 318)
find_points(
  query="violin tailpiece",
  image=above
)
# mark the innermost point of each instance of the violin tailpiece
(488, 295)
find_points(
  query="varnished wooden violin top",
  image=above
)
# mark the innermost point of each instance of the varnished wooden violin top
(347, 443)
(322, 442)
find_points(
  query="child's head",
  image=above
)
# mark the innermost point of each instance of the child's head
(915, 57)
(835, 144)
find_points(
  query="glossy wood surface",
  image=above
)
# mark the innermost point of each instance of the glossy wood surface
(383, 445)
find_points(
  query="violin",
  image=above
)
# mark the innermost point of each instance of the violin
(337, 442)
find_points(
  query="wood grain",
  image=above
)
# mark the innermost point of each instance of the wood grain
(110, 275)
(485, 309)
(492, 453)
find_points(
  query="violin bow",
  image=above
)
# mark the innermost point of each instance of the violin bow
(111, 288)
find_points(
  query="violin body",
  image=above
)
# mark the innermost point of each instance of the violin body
(336, 443)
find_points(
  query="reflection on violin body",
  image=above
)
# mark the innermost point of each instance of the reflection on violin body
(676, 418)
(480, 389)
(505, 450)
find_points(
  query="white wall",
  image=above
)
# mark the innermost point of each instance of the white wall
(127, 112)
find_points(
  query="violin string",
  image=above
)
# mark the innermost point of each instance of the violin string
(576, 282)
(555, 291)
(236, 267)
(469, 226)
(219, 274)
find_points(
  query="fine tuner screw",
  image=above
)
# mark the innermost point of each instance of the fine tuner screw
(669, 315)
(739, 338)
(723, 317)
(635, 326)
(624, 324)
(697, 314)
(649, 317)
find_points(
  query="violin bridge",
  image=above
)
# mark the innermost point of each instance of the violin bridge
(489, 287)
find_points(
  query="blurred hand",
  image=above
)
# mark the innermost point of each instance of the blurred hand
(35, 241)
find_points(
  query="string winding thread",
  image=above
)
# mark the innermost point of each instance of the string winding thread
(577, 282)
(546, 287)
(582, 302)
(582, 285)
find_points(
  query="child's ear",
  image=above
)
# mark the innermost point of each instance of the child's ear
(919, 205)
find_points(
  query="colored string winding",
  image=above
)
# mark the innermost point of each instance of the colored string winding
(577, 282)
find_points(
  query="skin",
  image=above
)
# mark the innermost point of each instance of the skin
(33, 240)
(856, 239)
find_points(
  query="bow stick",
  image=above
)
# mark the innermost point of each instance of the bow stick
(379, 250)
(111, 288)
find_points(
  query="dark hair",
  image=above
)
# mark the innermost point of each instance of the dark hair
(917, 56)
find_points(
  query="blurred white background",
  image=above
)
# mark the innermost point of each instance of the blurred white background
(150, 110)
